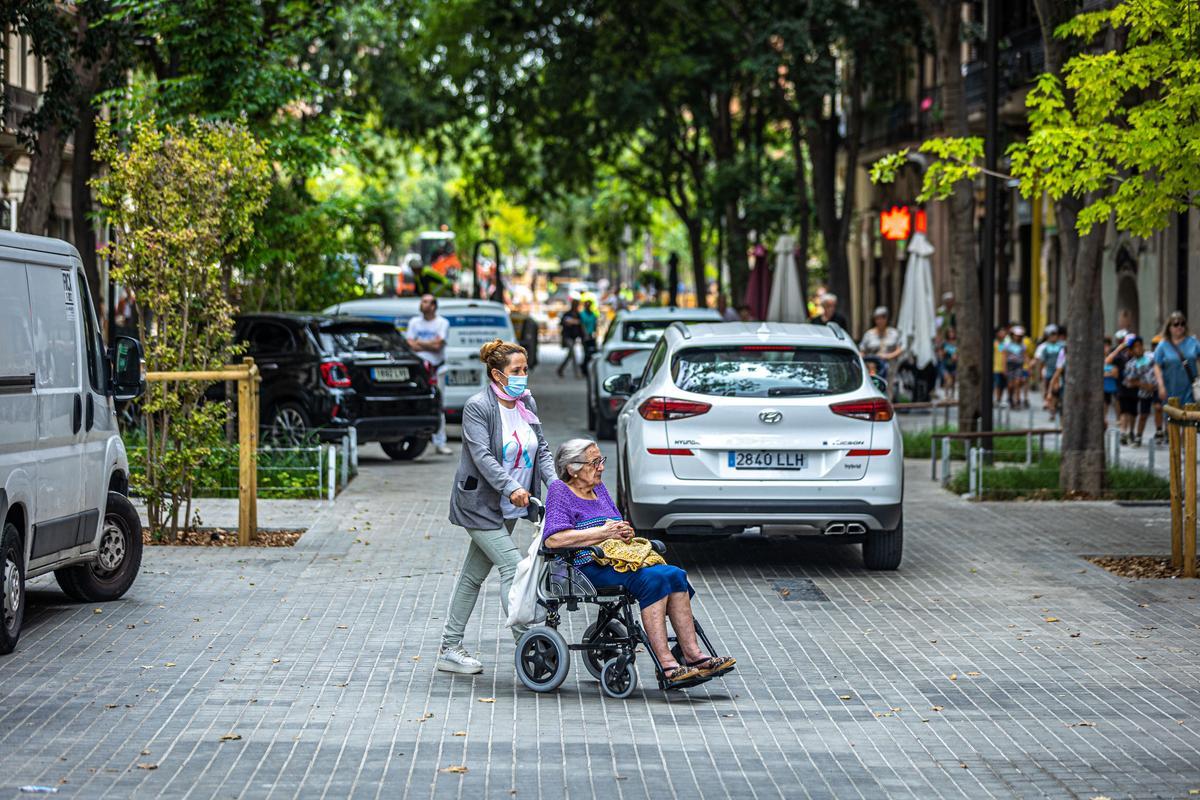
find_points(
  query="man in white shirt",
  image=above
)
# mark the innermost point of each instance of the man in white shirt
(427, 333)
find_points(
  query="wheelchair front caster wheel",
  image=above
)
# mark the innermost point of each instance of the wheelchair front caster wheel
(595, 660)
(618, 679)
(542, 659)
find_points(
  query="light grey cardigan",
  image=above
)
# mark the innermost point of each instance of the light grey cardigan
(480, 479)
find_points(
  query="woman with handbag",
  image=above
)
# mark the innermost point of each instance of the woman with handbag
(504, 461)
(1175, 358)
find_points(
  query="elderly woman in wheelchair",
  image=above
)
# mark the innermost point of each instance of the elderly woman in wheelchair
(582, 528)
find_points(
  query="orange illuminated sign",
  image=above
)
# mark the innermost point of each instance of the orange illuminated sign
(899, 222)
(895, 223)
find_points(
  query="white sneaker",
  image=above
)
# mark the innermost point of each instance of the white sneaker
(456, 659)
(443, 450)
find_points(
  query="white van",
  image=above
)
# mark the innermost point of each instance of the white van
(64, 477)
(473, 323)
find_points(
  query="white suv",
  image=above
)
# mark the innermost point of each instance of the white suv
(738, 425)
(63, 471)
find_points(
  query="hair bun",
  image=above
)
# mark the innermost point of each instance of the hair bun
(486, 351)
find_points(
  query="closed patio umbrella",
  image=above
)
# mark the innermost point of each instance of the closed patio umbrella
(787, 302)
(917, 319)
(758, 290)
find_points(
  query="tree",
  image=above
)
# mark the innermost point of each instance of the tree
(180, 200)
(1112, 139)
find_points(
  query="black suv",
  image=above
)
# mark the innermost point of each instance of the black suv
(323, 374)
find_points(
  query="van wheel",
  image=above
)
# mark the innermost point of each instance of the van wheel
(12, 609)
(406, 449)
(882, 550)
(118, 558)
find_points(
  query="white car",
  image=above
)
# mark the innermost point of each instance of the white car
(64, 474)
(778, 426)
(473, 323)
(630, 338)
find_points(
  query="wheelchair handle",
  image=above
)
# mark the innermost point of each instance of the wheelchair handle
(537, 510)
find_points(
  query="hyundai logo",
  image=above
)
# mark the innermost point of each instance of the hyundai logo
(770, 417)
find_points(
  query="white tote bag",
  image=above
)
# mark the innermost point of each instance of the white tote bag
(523, 608)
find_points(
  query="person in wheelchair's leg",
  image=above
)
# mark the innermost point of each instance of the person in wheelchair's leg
(504, 459)
(580, 512)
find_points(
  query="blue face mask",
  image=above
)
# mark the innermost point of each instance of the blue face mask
(516, 385)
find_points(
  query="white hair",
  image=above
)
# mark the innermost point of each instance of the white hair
(829, 297)
(568, 458)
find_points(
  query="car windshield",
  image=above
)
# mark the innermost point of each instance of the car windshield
(360, 337)
(766, 371)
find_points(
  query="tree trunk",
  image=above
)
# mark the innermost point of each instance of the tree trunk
(822, 137)
(696, 248)
(82, 169)
(1082, 472)
(45, 165)
(945, 17)
(803, 207)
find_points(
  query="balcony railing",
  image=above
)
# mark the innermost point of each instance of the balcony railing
(17, 103)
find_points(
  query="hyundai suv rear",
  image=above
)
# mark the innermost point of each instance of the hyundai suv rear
(739, 425)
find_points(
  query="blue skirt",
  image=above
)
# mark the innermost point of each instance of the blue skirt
(648, 584)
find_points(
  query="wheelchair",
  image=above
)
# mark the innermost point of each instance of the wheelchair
(609, 646)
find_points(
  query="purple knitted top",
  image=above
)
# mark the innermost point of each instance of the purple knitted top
(567, 511)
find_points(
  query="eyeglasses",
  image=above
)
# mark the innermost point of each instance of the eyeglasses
(595, 462)
(1178, 324)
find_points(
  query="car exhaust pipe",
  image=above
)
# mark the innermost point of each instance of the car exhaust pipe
(835, 529)
(855, 528)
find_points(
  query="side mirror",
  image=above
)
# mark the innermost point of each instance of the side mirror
(619, 385)
(880, 384)
(126, 382)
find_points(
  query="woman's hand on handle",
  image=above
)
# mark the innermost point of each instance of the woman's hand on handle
(519, 498)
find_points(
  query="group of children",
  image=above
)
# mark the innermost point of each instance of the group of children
(1130, 382)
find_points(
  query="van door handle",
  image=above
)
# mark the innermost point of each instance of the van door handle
(77, 415)
(91, 412)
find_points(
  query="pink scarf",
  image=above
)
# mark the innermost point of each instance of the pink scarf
(522, 409)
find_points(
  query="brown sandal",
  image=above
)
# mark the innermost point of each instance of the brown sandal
(680, 673)
(713, 665)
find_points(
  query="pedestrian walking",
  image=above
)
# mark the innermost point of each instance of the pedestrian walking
(1046, 357)
(589, 321)
(1121, 357)
(504, 462)
(1175, 360)
(571, 328)
(427, 333)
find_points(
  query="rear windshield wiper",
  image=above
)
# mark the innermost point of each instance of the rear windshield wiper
(795, 391)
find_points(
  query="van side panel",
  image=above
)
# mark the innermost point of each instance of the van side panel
(54, 300)
(18, 402)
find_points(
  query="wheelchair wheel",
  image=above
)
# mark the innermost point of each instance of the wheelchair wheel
(619, 678)
(542, 659)
(594, 660)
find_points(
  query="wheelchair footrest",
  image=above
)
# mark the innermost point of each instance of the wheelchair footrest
(684, 684)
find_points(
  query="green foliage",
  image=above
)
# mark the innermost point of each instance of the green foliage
(917, 444)
(181, 199)
(1040, 481)
(1120, 130)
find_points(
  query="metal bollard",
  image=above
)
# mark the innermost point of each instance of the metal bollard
(972, 475)
(320, 472)
(1150, 454)
(345, 461)
(980, 454)
(354, 447)
(932, 461)
(1028, 448)
(945, 462)
(332, 471)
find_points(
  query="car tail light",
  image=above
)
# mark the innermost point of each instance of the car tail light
(334, 411)
(664, 409)
(867, 453)
(430, 372)
(617, 356)
(335, 374)
(770, 348)
(616, 403)
(875, 409)
(669, 451)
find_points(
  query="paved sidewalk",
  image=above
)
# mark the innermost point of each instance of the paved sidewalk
(995, 663)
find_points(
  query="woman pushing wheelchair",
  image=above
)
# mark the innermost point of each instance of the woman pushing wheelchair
(581, 514)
